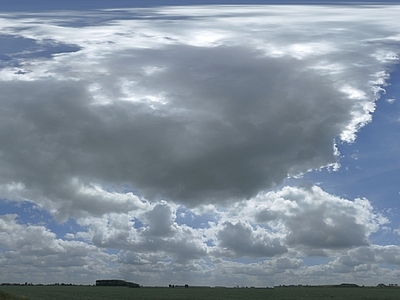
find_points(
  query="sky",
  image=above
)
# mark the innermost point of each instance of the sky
(202, 143)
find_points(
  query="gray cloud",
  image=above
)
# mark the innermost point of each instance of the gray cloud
(160, 220)
(240, 240)
(226, 131)
(191, 118)
(313, 230)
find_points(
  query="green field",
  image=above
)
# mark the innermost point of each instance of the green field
(7, 296)
(92, 293)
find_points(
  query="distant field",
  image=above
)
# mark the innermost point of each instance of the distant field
(122, 293)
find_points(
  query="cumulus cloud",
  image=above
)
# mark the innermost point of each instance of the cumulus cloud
(306, 221)
(251, 241)
(160, 220)
(34, 253)
(317, 220)
(206, 112)
(241, 240)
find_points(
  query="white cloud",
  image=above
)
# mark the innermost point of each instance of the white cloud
(33, 253)
(247, 242)
(317, 220)
(391, 100)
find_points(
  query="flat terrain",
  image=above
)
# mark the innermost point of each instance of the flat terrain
(286, 293)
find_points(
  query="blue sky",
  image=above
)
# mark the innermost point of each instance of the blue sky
(253, 144)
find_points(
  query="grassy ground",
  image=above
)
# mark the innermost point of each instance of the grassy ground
(8, 296)
(122, 293)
